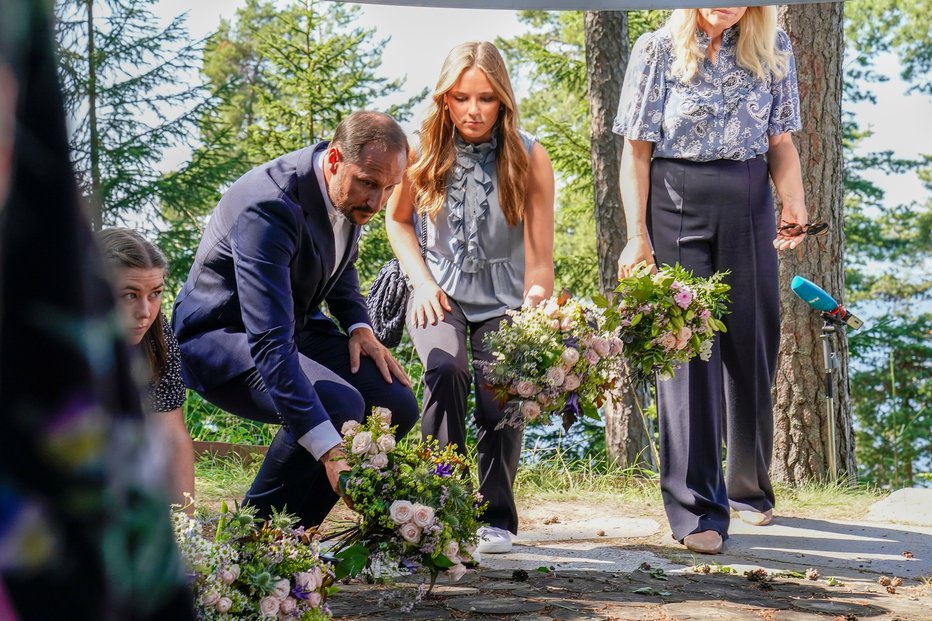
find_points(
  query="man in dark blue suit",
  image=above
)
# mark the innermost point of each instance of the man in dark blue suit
(253, 339)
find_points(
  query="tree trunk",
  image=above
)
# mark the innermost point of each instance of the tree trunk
(96, 204)
(626, 439)
(801, 425)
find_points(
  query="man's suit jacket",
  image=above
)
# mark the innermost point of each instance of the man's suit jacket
(260, 274)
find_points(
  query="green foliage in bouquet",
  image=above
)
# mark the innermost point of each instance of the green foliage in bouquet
(252, 569)
(415, 503)
(667, 318)
(557, 358)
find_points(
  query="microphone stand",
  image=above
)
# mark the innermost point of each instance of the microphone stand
(830, 360)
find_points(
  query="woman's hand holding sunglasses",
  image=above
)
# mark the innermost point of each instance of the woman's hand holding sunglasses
(791, 234)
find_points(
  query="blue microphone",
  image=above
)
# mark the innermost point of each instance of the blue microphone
(819, 299)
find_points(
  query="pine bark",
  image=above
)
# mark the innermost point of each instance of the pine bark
(801, 420)
(626, 439)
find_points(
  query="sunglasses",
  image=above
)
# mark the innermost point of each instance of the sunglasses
(792, 229)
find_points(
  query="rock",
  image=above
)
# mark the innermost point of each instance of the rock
(907, 506)
(493, 605)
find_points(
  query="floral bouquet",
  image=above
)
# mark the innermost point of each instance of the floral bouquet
(415, 503)
(252, 569)
(558, 357)
(667, 318)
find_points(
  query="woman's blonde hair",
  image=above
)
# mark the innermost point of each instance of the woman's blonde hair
(428, 174)
(757, 43)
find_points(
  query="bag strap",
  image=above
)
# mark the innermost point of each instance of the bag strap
(422, 239)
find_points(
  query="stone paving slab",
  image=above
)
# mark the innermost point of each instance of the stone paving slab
(904, 506)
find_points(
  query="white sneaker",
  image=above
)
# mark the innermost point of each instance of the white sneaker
(493, 540)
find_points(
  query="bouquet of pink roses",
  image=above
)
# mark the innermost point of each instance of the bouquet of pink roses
(666, 319)
(558, 357)
(415, 503)
(252, 569)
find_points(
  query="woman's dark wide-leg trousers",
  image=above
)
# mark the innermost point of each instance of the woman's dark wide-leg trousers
(715, 216)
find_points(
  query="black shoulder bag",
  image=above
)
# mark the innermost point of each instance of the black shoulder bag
(388, 297)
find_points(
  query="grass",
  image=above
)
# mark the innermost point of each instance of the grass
(552, 476)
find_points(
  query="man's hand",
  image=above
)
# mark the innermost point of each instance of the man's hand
(362, 342)
(334, 462)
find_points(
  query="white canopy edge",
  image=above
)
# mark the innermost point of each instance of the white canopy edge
(569, 5)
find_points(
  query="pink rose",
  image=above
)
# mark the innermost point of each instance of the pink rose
(401, 511)
(525, 388)
(386, 443)
(306, 581)
(281, 589)
(566, 324)
(410, 532)
(362, 443)
(572, 382)
(379, 460)
(668, 340)
(684, 334)
(555, 377)
(384, 414)
(683, 297)
(223, 604)
(423, 515)
(617, 345)
(269, 606)
(451, 550)
(554, 324)
(349, 428)
(591, 356)
(456, 572)
(313, 600)
(288, 605)
(544, 399)
(570, 356)
(210, 598)
(601, 346)
(530, 410)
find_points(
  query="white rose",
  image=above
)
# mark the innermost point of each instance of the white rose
(530, 410)
(525, 388)
(555, 377)
(269, 606)
(423, 515)
(384, 414)
(306, 581)
(313, 599)
(451, 550)
(288, 605)
(410, 532)
(554, 324)
(281, 589)
(227, 576)
(456, 572)
(386, 443)
(210, 598)
(401, 511)
(362, 442)
(566, 324)
(223, 604)
(379, 460)
(572, 382)
(601, 346)
(570, 356)
(349, 428)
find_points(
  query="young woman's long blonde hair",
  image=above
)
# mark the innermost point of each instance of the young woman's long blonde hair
(757, 43)
(428, 175)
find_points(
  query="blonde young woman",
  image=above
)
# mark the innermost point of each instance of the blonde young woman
(486, 191)
(707, 108)
(138, 272)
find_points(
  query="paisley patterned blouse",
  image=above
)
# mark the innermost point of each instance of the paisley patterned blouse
(724, 112)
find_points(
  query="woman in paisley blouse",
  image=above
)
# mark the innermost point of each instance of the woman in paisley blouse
(138, 273)
(485, 191)
(708, 104)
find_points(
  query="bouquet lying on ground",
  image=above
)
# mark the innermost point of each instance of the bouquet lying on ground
(558, 357)
(251, 569)
(416, 506)
(666, 319)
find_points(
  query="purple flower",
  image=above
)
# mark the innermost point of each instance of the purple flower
(443, 470)
(683, 297)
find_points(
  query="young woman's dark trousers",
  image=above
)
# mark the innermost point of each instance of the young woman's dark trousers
(715, 216)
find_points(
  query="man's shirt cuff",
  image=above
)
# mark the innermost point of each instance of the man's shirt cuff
(320, 439)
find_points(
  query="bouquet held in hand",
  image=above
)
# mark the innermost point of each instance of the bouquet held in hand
(667, 318)
(251, 569)
(558, 357)
(415, 503)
